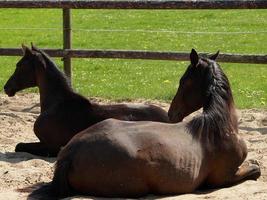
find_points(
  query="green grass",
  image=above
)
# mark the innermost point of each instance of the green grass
(131, 79)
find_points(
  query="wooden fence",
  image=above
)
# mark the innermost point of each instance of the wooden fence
(67, 52)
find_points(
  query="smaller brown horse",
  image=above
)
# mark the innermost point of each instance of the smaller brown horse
(64, 112)
(131, 159)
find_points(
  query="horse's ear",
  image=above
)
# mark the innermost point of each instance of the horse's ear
(34, 48)
(214, 56)
(26, 50)
(194, 57)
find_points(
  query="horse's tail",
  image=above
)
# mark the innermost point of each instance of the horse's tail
(59, 187)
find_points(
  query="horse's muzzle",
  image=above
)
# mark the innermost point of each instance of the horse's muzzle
(9, 91)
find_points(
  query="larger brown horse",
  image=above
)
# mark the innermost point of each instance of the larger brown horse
(130, 159)
(64, 112)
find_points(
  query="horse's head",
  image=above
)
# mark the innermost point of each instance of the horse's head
(192, 88)
(24, 75)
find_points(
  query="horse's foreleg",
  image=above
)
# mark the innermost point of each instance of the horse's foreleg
(248, 171)
(36, 148)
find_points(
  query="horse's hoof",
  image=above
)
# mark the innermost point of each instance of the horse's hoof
(19, 147)
(254, 172)
(252, 168)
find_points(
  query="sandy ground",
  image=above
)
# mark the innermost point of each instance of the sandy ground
(17, 170)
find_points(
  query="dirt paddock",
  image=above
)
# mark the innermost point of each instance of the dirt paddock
(17, 170)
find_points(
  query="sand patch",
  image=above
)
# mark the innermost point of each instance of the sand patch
(18, 170)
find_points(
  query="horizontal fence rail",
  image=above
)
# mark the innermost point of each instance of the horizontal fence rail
(137, 4)
(123, 54)
(67, 52)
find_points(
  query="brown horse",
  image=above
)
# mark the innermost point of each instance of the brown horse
(130, 159)
(64, 112)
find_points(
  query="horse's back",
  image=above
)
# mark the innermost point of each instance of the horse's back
(133, 112)
(115, 158)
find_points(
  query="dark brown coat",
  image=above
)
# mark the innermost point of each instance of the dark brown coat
(131, 159)
(64, 113)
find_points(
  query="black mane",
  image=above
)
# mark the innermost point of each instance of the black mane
(218, 118)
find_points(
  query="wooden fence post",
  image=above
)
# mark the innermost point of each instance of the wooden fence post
(67, 40)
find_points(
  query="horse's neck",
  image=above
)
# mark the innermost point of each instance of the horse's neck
(52, 89)
(222, 113)
(217, 121)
